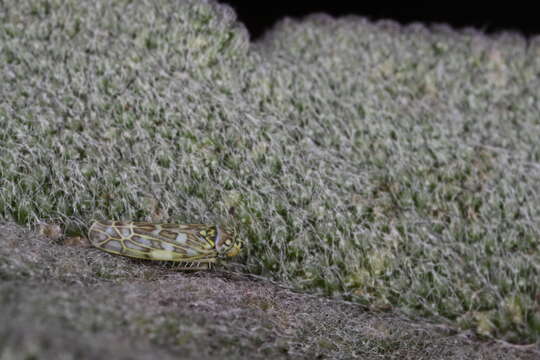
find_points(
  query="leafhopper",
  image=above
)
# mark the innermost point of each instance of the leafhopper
(196, 246)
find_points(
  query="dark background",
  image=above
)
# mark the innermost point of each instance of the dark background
(489, 17)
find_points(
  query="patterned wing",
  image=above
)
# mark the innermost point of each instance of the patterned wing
(192, 243)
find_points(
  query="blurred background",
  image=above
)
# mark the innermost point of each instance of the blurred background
(490, 17)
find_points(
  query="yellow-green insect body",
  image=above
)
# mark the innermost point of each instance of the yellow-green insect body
(196, 245)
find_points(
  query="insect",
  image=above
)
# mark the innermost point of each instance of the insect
(197, 246)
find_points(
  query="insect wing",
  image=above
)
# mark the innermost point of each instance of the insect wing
(169, 242)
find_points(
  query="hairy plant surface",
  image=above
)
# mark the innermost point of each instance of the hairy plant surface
(60, 302)
(396, 167)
